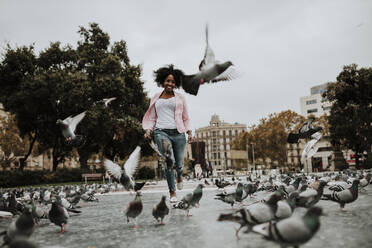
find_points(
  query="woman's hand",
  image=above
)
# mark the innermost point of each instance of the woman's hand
(189, 136)
(148, 134)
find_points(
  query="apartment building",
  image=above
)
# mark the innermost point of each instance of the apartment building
(217, 137)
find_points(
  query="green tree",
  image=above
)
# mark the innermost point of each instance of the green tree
(12, 144)
(269, 137)
(351, 112)
(77, 79)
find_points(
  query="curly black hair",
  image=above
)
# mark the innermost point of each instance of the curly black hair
(162, 73)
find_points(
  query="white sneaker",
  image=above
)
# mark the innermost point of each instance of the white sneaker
(173, 199)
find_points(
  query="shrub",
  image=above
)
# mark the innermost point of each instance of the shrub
(25, 178)
(145, 173)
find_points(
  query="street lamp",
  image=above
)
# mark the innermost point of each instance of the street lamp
(247, 157)
(254, 164)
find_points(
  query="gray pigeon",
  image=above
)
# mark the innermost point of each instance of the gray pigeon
(68, 127)
(293, 231)
(160, 210)
(345, 196)
(21, 228)
(304, 132)
(22, 243)
(125, 175)
(58, 215)
(286, 207)
(210, 70)
(231, 198)
(190, 200)
(134, 209)
(310, 196)
(254, 214)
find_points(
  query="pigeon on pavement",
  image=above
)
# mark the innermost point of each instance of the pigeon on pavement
(293, 231)
(190, 200)
(160, 210)
(21, 228)
(134, 209)
(345, 196)
(58, 215)
(231, 198)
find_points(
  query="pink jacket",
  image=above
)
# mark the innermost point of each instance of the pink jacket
(181, 115)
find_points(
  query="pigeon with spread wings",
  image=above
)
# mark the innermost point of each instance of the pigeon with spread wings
(68, 127)
(304, 132)
(125, 175)
(210, 71)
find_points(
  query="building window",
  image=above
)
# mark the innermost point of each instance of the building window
(312, 111)
(327, 108)
(311, 102)
(214, 134)
(224, 133)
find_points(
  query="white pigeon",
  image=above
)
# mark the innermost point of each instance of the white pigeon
(106, 101)
(210, 71)
(310, 149)
(125, 175)
(68, 127)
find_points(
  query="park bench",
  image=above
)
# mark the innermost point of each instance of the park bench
(92, 176)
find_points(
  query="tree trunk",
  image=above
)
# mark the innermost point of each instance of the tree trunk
(83, 159)
(356, 157)
(22, 161)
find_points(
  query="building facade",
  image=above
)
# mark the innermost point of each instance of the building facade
(323, 159)
(315, 104)
(217, 137)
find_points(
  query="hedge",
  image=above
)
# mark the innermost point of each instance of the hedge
(26, 178)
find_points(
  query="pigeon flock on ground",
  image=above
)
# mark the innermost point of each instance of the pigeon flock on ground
(270, 216)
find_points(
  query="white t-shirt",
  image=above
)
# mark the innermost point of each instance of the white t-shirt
(165, 109)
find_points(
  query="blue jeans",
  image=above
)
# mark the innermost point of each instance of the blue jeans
(178, 142)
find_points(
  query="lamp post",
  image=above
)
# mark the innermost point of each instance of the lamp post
(247, 157)
(254, 164)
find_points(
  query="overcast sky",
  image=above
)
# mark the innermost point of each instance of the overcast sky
(282, 47)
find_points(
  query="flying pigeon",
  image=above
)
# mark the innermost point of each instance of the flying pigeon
(210, 70)
(304, 132)
(345, 196)
(68, 127)
(190, 200)
(134, 209)
(160, 210)
(58, 215)
(293, 231)
(125, 175)
(106, 101)
(310, 149)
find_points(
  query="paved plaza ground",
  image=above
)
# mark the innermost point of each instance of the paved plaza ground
(103, 224)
